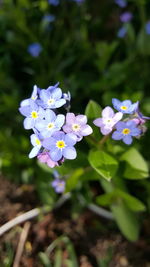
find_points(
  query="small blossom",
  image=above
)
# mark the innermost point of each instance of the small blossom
(125, 131)
(51, 97)
(58, 185)
(53, 2)
(44, 157)
(61, 145)
(121, 3)
(34, 96)
(77, 125)
(36, 142)
(108, 120)
(122, 32)
(125, 106)
(48, 18)
(50, 124)
(147, 27)
(34, 49)
(126, 17)
(33, 114)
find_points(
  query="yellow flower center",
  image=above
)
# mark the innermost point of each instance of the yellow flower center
(126, 131)
(50, 126)
(60, 144)
(50, 101)
(75, 127)
(38, 142)
(34, 97)
(34, 115)
(124, 108)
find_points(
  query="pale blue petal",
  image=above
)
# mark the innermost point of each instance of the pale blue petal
(50, 115)
(56, 93)
(49, 143)
(127, 140)
(117, 135)
(56, 154)
(25, 110)
(69, 153)
(70, 139)
(60, 103)
(60, 120)
(116, 103)
(28, 123)
(34, 152)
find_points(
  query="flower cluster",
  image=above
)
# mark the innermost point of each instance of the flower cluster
(54, 135)
(131, 126)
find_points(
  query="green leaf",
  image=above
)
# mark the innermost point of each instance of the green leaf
(93, 110)
(136, 167)
(103, 163)
(44, 259)
(73, 179)
(133, 203)
(126, 220)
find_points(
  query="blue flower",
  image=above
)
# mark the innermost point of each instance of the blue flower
(34, 49)
(58, 185)
(48, 18)
(33, 113)
(51, 97)
(50, 124)
(34, 97)
(61, 145)
(126, 17)
(35, 141)
(121, 3)
(125, 106)
(53, 2)
(122, 32)
(147, 27)
(125, 131)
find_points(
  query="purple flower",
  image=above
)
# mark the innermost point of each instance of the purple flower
(122, 32)
(108, 120)
(50, 124)
(147, 27)
(33, 114)
(53, 2)
(44, 157)
(35, 141)
(51, 97)
(125, 131)
(126, 17)
(121, 3)
(58, 185)
(125, 106)
(77, 125)
(34, 96)
(34, 49)
(61, 145)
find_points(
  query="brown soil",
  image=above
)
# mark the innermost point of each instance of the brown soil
(93, 237)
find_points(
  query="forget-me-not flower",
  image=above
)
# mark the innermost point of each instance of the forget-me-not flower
(126, 17)
(125, 131)
(125, 106)
(33, 114)
(44, 157)
(77, 125)
(50, 124)
(34, 49)
(122, 32)
(36, 142)
(61, 145)
(51, 98)
(121, 3)
(108, 120)
(58, 185)
(53, 2)
(147, 27)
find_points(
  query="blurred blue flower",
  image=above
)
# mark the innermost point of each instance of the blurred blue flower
(147, 27)
(121, 3)
(48, 18)
(79, 1)
(58, 185)
(53, 2)
(34, 49)
(126, 17)
(122, 32)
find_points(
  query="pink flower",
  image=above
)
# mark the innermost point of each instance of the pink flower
(108, 120)
(44, 157)
(77, 125)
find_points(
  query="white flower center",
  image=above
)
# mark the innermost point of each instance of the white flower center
(50, 101)
(76, 127)
(50, 126)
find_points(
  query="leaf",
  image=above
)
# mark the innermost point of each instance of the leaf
(133, 203)
(93, 110)
(73, 179)
(136, 167)
(126, 220)
(103, 163)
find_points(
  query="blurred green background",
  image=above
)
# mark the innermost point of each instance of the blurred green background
(77, 44)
